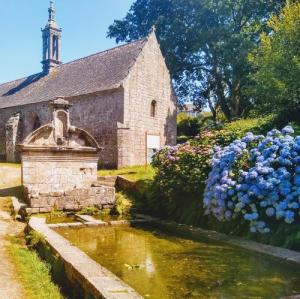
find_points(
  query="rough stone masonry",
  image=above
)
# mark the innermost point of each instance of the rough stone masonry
(59, 166)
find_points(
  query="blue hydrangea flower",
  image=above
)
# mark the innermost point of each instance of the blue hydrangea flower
(269, 188)
(288, 130)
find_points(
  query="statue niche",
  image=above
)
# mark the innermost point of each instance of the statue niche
(61, 127)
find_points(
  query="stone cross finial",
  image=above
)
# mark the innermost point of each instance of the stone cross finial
(51, 11)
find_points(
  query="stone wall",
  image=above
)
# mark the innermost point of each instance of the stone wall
(97, 113)
(12, 138)
(30, 116)
(49, 172)
(96, 195)
(149, 80)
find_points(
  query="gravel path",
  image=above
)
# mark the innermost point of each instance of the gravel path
(10, 287)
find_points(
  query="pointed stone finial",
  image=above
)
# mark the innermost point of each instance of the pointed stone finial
(51, 11)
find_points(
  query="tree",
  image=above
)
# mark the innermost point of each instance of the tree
(205, 42)
(277, 66)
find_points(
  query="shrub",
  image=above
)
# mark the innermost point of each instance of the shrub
(183, 167)
(90, 210)
(189, 126)
(237, 129)
(181, 172)
(35, 238)
(256, 178)
(123, 205)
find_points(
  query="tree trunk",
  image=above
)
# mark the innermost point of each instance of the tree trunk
(222, 99)
(236, 99)
(220, 91)
(212, 108)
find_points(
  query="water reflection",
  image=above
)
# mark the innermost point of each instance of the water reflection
(161, 266)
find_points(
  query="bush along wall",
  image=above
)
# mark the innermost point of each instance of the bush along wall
(180, 180)
(250, 187)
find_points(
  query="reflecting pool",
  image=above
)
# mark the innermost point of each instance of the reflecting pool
(162, 266)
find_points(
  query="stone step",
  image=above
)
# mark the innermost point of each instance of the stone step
(89, 219)
(104, 183)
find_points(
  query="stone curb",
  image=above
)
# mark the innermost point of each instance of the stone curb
(81, 269)
(282, 254)
(99, 223)
(89, 219)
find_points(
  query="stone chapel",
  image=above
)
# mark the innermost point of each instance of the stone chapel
(122, 96)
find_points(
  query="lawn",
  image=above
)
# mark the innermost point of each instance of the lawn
(16, 165)
(32, 272)
(134, 173)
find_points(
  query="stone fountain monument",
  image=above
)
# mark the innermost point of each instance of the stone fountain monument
(59, 166)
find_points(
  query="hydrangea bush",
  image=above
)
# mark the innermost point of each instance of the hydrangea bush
(182, 169)
(258, 178)
(179, 182)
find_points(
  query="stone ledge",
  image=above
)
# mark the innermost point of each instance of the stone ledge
(63, 225)
(95, 280)
(89, 219)
(195, 233)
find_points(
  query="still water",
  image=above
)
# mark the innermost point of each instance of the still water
(162, 266)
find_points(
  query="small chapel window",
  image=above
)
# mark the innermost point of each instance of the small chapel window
(153, 108)
(36, 123)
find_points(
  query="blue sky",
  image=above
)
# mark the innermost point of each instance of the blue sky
(84, 24)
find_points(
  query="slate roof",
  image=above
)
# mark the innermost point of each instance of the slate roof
(101, 71)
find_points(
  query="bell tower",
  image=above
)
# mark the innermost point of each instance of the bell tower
(51, 42)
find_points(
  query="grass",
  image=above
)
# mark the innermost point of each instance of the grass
(5, 204)
(16, 165)
(134, 173)
(32, 272)
(10, 184)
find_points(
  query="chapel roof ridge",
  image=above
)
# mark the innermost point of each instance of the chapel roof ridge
(81, 58)
(107, 50)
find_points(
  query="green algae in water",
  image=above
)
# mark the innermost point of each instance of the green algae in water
(109, 217)
(163, 266)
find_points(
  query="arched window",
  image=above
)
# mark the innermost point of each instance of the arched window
(36, 123)
(153, 108)
(32, 122)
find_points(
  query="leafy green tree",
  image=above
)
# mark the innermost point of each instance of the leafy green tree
(206, 44)
(276, 61)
